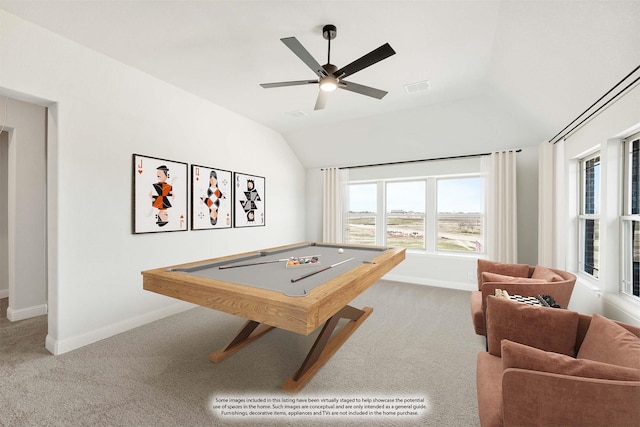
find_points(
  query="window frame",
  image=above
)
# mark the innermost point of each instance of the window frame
(629, 218)
(430, 231)
(584, 217)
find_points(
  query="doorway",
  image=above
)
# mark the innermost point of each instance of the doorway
(4, 221)
(23, 210)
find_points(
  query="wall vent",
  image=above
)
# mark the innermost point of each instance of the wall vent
(417, 87)
(296, 113)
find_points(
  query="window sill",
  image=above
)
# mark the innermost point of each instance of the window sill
(589, 282)
(422, 252)
(628, 305)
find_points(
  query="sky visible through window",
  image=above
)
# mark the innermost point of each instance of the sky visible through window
(454, 195)
(362, 198)
(406, 196)
(461, 195)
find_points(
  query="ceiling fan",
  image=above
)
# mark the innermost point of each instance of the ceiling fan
(331, 77)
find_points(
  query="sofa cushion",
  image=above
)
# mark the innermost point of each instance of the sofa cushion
(540, 272)
(494, 277)
(489, 389)
(516, 355)
(548, 329)
(519, 270)
(608, 342)
(477, 314)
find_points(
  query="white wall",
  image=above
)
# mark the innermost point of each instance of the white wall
(604, 132)
(25, 209)
(433, 269)
(101, 112)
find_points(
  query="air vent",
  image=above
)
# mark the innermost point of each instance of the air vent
(296, 113)
(418, 87)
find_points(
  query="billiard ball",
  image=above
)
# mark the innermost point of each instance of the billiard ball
(340, 250)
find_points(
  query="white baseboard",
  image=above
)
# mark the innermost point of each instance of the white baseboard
(57, 347)
(4, 293)
(65, 345)
(26, 313)
(430, 282)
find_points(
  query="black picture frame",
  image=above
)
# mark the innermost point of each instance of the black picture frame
(211, 198)
(249, 200)
(160, 195)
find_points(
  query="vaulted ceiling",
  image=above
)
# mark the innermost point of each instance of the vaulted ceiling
(501, 74)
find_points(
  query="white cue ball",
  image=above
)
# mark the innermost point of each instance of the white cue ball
(340, 250)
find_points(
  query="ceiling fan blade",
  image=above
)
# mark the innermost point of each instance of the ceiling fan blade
(302, 53)
(321, 102)
(362, 89)
(365, 61)
(293, 83)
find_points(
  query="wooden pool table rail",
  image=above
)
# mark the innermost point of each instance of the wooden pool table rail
(301, 315)
(267, 309)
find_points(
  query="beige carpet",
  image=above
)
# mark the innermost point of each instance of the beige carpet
(418, 342)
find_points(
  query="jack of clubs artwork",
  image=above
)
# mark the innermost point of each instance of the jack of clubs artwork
(211, 198)
(160, 198)
(249, 204)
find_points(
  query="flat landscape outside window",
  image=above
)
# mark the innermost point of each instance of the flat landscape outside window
(361, 222)
(405, 213)
(461, 214)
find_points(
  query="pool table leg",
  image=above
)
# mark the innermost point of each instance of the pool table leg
(326, 345)
(250, 332)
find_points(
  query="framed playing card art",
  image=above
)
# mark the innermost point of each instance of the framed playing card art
(160, 197)
(249, 200)
(211, 198)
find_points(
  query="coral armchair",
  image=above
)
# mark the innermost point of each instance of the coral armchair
(517, 279)
(554, 367)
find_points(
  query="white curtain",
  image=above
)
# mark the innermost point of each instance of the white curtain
(551, 199)
(335, 203)
(501, 207)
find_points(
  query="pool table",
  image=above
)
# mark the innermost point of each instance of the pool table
(270, 291)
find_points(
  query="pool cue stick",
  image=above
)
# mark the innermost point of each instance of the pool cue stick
(320, 271)
(223, 267)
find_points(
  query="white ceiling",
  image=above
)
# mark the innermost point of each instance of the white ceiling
(502, 72)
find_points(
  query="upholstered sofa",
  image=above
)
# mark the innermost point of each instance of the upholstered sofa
(517, 279)
(555, 367)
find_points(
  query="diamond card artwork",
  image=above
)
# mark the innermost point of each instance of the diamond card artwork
(160, 198)
(211, 198)
(249, 204)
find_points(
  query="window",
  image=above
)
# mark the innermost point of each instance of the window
(460, 214)
(405, 212)
(434, 214)
(631, 219)
(589, 218)
(361, 223)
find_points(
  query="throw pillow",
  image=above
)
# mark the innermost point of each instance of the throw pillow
(516, 355)
(540, 272)
(608, 342)
(519, 270)
(493, 277)
(548, 329)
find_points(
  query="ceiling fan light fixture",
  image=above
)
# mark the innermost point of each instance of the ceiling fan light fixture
(329, 77)
(328, 84)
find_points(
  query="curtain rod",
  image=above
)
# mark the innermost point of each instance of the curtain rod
(464, 156)
(560, 135)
